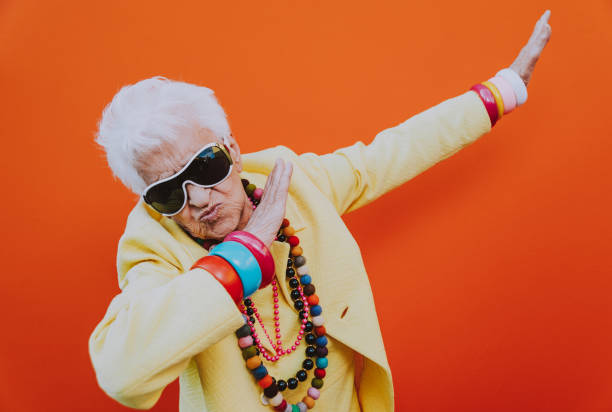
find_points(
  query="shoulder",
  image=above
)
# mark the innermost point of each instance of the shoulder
(144, 239)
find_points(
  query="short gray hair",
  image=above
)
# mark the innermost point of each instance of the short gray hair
(143, 115)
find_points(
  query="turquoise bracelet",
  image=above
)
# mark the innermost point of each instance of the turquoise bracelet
(243, 262)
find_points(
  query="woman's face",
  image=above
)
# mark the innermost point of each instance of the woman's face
(211, 212)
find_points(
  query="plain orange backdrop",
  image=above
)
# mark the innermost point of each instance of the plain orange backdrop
(491, 271)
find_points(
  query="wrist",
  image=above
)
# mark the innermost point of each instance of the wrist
(259, 250)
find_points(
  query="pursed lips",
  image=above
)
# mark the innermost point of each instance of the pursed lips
(210, 213)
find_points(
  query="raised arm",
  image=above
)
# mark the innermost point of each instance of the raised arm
(353, 176)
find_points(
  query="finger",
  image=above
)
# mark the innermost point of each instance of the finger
(274, 180)
(270, 181)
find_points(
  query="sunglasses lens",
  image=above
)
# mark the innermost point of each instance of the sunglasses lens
(210, 167)
(167, 197)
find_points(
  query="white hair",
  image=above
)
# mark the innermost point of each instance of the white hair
(150, 112)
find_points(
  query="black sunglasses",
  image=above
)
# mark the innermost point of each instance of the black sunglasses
(208, 167)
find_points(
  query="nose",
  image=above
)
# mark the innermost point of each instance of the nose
(197, 196)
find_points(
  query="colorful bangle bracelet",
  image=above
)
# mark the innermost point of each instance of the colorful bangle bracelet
(489, 101)
(243, 262)
(498, 98)
(506, 91)
(224, 273)
(259, 250)
(518, 85)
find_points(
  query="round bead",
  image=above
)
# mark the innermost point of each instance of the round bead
(257, 193)
(282, 406)
(316, 310)
(248, 302)
(305, 280)
(285, 222)
(289, 231)
(292, 383)
(295, 294)
(307, 364)
(321, 363)
(289, 408)
(259, 372)
(250, 189)
(309, 289)
(272, 390)
(314, 393)
(266, 381)
(310, 339)
(245, 342)
(294, 283)
(320, 330)
(319, 373)
(254, 362)
(281, 238)
(293, 240)
(276, 400)
(317, 383)
(310, 351)
(298, 304)
(321, 351)
(295, 408)
(296, 250)
(317, 320)
(321, 341)
(250, 311)
(301, 375)
(249, 352)
(281, 384)
(244, 330)
(290, 272)
(309, 402)
(289, 261)
(308, 326)
(299, 261)
(313, 300)
(302, 314)
(302, 406)
(302, 270)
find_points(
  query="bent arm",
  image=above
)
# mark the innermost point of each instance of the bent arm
(154, 327)
(354, 176)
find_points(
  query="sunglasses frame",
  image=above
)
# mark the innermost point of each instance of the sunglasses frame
(223, 148)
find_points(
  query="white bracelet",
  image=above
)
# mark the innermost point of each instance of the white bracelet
(520, 90)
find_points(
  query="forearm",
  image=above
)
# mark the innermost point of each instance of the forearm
(147, 337)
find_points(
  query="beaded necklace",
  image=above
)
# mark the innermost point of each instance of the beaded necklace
(307, 303)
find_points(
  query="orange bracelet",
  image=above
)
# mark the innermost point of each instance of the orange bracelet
(224, 272)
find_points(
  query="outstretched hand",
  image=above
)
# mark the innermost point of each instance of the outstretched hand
(530, 53)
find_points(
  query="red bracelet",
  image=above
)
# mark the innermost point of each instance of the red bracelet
(489, 101)
(224, 272)
(259, 250)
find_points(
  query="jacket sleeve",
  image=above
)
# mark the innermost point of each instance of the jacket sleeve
(159, 321)
(354, 176)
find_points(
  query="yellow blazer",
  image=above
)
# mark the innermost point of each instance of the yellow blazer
(169, 320)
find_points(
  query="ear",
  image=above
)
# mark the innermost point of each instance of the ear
(234, 149)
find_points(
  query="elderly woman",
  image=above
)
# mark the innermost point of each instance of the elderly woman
(237, 273)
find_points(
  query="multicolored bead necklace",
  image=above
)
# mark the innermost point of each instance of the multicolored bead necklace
(307, 303)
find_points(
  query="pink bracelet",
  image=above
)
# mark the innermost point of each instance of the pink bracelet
(505, 89)
(259, 250)
(489, 101)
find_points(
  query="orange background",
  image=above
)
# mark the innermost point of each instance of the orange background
(499, 298)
